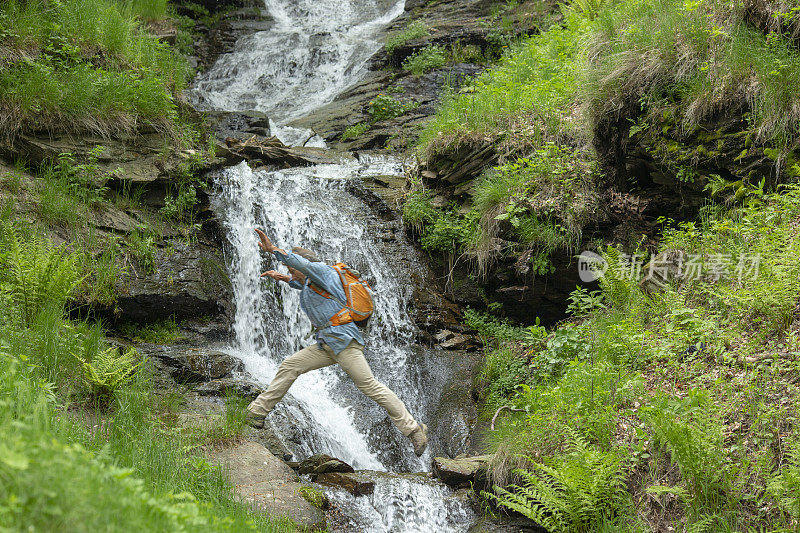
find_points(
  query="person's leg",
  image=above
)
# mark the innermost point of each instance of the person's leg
(307, 359)
(352, 360)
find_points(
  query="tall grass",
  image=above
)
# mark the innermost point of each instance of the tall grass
(86, 66)
(524, 93)
(699, 57)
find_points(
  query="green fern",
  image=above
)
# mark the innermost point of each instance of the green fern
(581, 491)
(785, 486)
(37, 272)
(109, 370)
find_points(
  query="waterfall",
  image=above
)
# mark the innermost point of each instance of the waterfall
(314, 50)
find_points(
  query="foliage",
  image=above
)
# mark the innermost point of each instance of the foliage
(581, 491)
(109, 370)
(86, 66)
(142, 244)
(501, 372)
(113, 470)
(708, 59)
(535, 79)
(385, 107)
(35, 273)
(582, 302)
(416, 30)
(354, 132)
(442, 230)
(543, 201)
(180, 206)
(429, 58)
(160, 332)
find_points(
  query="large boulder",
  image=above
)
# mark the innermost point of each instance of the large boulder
(189, 280)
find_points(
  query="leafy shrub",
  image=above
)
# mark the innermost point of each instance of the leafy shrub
(429, 58)
(416, 30)
(693, 437)
(355, 131)
(503, 369)
(581, 491)
(108, 370)
(181, 204)
(36, 273)
(442, 230)
(495, 329)
(385, 107)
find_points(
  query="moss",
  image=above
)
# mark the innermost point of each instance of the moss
(314, 496)
(214, 273)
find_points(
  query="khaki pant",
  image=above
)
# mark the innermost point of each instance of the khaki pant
(352, 361)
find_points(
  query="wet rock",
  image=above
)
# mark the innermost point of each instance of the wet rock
(271, 151)
(323, 464)
(267, 483)
(457, 342)
(220, 387)
(196, 364)
(240, 125)
(458, 472)
(188, 281)
(354, 483)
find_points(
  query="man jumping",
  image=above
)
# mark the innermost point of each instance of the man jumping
(342, 344)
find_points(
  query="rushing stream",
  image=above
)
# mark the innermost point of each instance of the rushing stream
(315, 49)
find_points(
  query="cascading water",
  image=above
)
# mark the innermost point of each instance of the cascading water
(310, 207)
(315, 49)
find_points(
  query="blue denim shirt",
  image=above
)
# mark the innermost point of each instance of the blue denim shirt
(318, 308)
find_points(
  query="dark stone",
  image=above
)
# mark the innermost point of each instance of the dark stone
(189, 281)
(195, 364)
(323, 464)
(354, 483)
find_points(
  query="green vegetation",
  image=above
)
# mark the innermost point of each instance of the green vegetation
(692, 384)
(429, 58)
(74, 408)
(416, 30)
(385, 107)
(708, 60)
(355, 131)
(86, 66)
(160, 332)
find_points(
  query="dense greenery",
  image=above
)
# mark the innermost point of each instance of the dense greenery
(87, 444)
(683, 388)
(664, 404)
(88, 66)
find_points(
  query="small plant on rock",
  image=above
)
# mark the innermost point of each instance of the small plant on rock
(425, 60)
(384, 107)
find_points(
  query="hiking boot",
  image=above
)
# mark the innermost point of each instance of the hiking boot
(419, 438)
(255, 421)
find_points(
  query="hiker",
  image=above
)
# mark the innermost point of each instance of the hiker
(321, 298)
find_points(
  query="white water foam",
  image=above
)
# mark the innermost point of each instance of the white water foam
(314, 51)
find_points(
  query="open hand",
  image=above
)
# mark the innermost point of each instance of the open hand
(277, 276)
(264, 243)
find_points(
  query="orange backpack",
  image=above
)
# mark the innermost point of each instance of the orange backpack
(359, 305)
